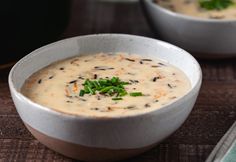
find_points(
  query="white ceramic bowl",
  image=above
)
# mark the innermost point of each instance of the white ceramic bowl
(207, 38)
(100, 139)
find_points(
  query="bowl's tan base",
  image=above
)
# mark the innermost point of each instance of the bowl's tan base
(83, 152)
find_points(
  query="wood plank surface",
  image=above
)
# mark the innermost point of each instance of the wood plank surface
(213, 114)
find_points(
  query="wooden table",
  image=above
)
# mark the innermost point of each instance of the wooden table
(213, 114)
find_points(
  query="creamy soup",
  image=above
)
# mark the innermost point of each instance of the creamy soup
(192, 8)
(145, 84)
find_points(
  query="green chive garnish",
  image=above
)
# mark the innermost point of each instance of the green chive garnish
(215, 4)
(86, 90)
(114, 80)
(109, 87)
(123, 93)
(106, 89)
(135, 94)
(116, 99)
(81, 93)
(91, 90)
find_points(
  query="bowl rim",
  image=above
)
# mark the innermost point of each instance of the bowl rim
(187, 17)
(192, 91)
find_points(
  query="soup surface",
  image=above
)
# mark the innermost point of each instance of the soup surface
(147, 84)
(192, 8)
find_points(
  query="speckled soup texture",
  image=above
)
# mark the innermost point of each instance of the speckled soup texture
(156, 82)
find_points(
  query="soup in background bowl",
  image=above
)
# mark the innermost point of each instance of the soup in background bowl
(203, 37)
(104, 137)
(194, 8)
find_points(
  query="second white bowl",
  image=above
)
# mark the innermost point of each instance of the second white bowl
(205, 38)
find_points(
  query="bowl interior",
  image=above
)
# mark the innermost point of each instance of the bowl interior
(104, 43)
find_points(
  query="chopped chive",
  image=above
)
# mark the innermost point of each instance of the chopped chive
(215, 4)
(124, 83)
(102, 82)
(91, 91)
(111, 92)
(121, 86)
(95, 83)
(108, 87)
(117, 98)
(86, 90)
(135, 94)
(89, 83)
(99, 85)
(114, 80)
(123, 93)
(81, 93)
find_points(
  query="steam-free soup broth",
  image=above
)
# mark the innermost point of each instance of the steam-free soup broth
(106, 85)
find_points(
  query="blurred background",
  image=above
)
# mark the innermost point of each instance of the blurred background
(27, 25)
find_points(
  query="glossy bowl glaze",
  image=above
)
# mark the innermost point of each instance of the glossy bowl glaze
(205, 38)
(103, 139)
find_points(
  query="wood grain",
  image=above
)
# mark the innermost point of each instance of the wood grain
(213, 114)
